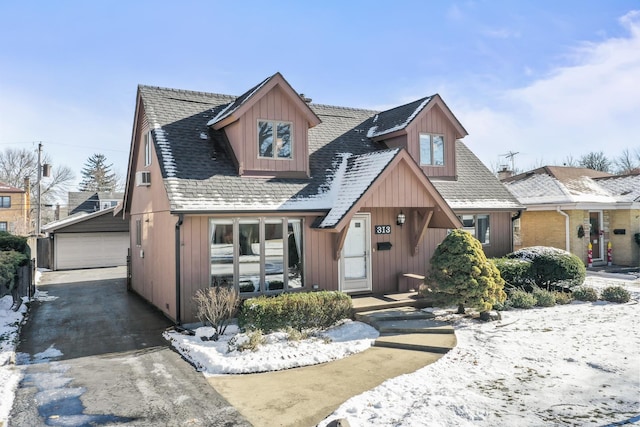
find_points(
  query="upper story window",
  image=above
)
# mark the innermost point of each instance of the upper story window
(5, 202)
(275, 139)
(431, 150)
(147, 149)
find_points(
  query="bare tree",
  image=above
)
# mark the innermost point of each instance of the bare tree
(596, 161)
(16, 164)
(570, 161)
(628, 162)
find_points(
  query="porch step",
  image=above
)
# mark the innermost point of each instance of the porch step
(434, 343)
(414, 326)
(392, 313)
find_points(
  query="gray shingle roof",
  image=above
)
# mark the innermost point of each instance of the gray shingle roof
(200, 175)
(396, 118)
(476, 187)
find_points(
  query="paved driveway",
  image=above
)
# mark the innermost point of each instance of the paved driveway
(92, 354)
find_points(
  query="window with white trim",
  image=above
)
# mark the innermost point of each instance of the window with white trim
(431, 150)
(275, 139)
(478, 226)
(3, 226)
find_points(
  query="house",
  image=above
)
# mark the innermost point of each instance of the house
(15, 209)
(570, 208)
(268, 192)
(85, 240)
(88, 201)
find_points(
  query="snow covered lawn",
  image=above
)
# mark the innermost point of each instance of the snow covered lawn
(577, 364)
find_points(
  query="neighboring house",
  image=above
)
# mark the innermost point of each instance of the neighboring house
(568, 208)
(269, 193)
(14, 209)
(87, 240)
(87, 201)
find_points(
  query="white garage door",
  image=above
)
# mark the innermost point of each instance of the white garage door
(89, 250)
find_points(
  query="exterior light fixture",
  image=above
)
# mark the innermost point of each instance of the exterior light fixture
(401, 219)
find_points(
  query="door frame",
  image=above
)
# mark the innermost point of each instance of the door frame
(366, 217)
(599, 256)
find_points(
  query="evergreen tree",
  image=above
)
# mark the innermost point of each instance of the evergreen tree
(97, 175)
(461, 274)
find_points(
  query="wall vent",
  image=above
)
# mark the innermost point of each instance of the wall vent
(143, 178)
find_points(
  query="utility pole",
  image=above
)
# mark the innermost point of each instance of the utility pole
(39, 207)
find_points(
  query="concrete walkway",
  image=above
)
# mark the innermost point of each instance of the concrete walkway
(410, 339)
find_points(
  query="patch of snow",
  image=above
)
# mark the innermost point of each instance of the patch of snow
(10, 375)
(278, 352)
(168, 160)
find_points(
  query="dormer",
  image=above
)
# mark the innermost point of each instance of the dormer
(267, 130)
(427, 129)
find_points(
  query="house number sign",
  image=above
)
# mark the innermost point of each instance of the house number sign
(382, 229)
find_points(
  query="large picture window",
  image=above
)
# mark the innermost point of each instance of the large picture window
(256, 254)
(431, 150)
(275, 139)
(478, 226)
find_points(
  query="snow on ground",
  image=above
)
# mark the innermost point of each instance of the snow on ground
(576, 364)
(278, 352)
(9, 373)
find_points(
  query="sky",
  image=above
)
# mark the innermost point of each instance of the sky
(545, 79)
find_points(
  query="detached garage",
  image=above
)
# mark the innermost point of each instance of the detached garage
(88, 240)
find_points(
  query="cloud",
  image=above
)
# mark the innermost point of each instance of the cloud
(591, 105)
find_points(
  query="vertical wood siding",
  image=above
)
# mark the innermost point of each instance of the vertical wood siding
(275, 105)
(435, 122)
(500, 237)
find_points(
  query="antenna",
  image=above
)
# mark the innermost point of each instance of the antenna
(511, 155)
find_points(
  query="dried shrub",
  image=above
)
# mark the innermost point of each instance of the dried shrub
(544, 298)
(615, 294)
(585, 293)
(520, 298)
(248, 341)
(298, 310)
(562, 298)
(217, 306)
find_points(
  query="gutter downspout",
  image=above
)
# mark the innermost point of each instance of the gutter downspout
(566, 229)
(178, 300)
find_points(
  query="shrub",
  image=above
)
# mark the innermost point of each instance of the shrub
(615, 294)
(502, 306)
(520, 298)
(249, 341)
(562, 298)
(299, 310)
(461, 273)
(515, 272)
(552, 266)
(217, 306)
(544, 298)
(10, 260)
(585, 293)
(10, 242)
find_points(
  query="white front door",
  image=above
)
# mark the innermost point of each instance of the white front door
(355, 259)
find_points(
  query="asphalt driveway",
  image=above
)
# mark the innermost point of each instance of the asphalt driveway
(93, 354)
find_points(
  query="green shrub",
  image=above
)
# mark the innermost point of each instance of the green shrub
(10, 260)
(544, 298)
(552, 266)
(10, 242)
(461, 273)
(515, 272)
(502, 306)
(520, 298)
(585, 293)
(562, 298)
(299, 310)
(615, 294)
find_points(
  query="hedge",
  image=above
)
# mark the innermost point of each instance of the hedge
(298, 310)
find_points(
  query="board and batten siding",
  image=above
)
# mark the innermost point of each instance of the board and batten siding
(243, 135)
(153, 262)
(501, 235)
